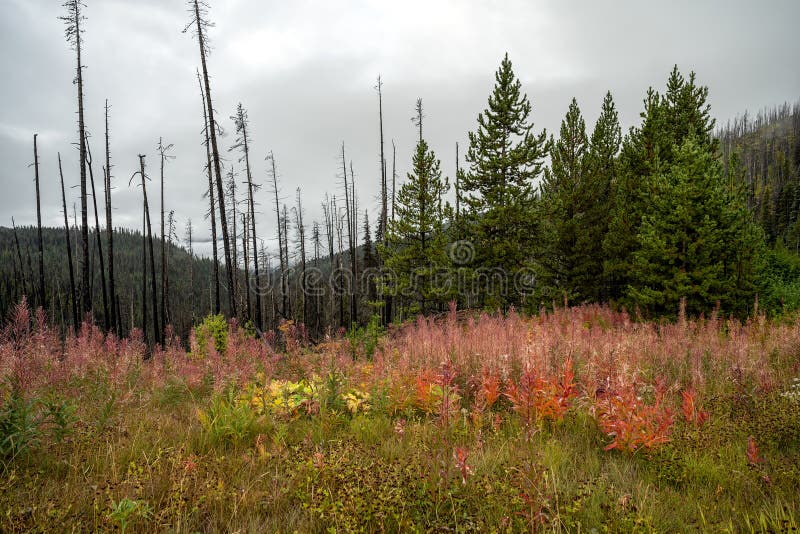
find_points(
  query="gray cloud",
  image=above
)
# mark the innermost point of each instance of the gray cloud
(305, 70)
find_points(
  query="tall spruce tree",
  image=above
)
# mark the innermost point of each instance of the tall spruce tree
(415, 252)
(370, 264)
(504, 159)
(600, 171)
(697, 241)
(667, 121)
(679, 229)
(562, 207)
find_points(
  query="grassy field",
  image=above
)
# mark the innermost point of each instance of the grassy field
(575, 420)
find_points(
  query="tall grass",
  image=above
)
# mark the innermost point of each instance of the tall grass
(574, 419)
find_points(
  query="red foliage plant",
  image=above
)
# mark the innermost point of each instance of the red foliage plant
(537, 398)
(631, 422)
(691, 412)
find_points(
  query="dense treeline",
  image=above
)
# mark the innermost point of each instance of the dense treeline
(188, 296)
(764, 152)
(668, 213)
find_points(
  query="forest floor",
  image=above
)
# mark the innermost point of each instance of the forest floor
(574, 420)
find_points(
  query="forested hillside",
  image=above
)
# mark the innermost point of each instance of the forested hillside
(764, 152)
(189, 277)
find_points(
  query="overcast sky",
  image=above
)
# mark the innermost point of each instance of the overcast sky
(305, 71)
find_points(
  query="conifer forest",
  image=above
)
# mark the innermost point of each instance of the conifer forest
(229, 307)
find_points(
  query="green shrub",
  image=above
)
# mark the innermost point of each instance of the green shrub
(364, 339)
(228, 420)
(126, 511)
(213, 327)
(60, 416)
(19, 425)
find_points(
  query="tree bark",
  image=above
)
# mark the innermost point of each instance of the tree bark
(215, 156)
(112, 291)
(73, 294)
(42, 295)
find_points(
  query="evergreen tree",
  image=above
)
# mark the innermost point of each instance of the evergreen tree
(667, 121)
(504, 159)
(370, 263)
(697, 241)
(601, 170)
(562, 207)
(415, 252)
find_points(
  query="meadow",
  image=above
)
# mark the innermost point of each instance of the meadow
(577, 419)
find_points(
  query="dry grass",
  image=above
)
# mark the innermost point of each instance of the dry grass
(573, 419)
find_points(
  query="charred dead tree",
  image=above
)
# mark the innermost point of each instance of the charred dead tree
(230, 187)
(99, 242)
(112, 291)
(243, 142)
(72, 293)
(281, 237)
(339, 220)
(42, 295)
(190, 248)
(166, 315)
(144, 276)
(394, 175)
(246, 253)
(328, 212)
(23, 277)
(384, 193)
(285, 224)
(350, 243)
(212, 205)
(353, 232)
(301, 245)
(73, 33)
(267, 284)
(149, 239)
(458, 194)
(199, 10)
(315, 237)
(163, 151)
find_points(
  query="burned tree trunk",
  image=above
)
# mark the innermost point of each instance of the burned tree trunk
(144, 273)
(149, 238)
(162, 150)
(328, 214)
(285, 224)
(190, 245)
(281, 237)
(99, 245)
(301, 236)
(384, 195)
(315, 236)
(73, 294)
(231, 190)
(201, 24)
(350, 244)
(24, 279)
(394, 174)
(42, 295)
(112, 291)
(212, 206)
(73, 33)
(353, 232)
(166, 315)
(245, 240)
(243, 142)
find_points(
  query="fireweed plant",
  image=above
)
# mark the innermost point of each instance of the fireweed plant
(571, 419)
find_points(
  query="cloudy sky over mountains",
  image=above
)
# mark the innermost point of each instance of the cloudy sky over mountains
(306, 70)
